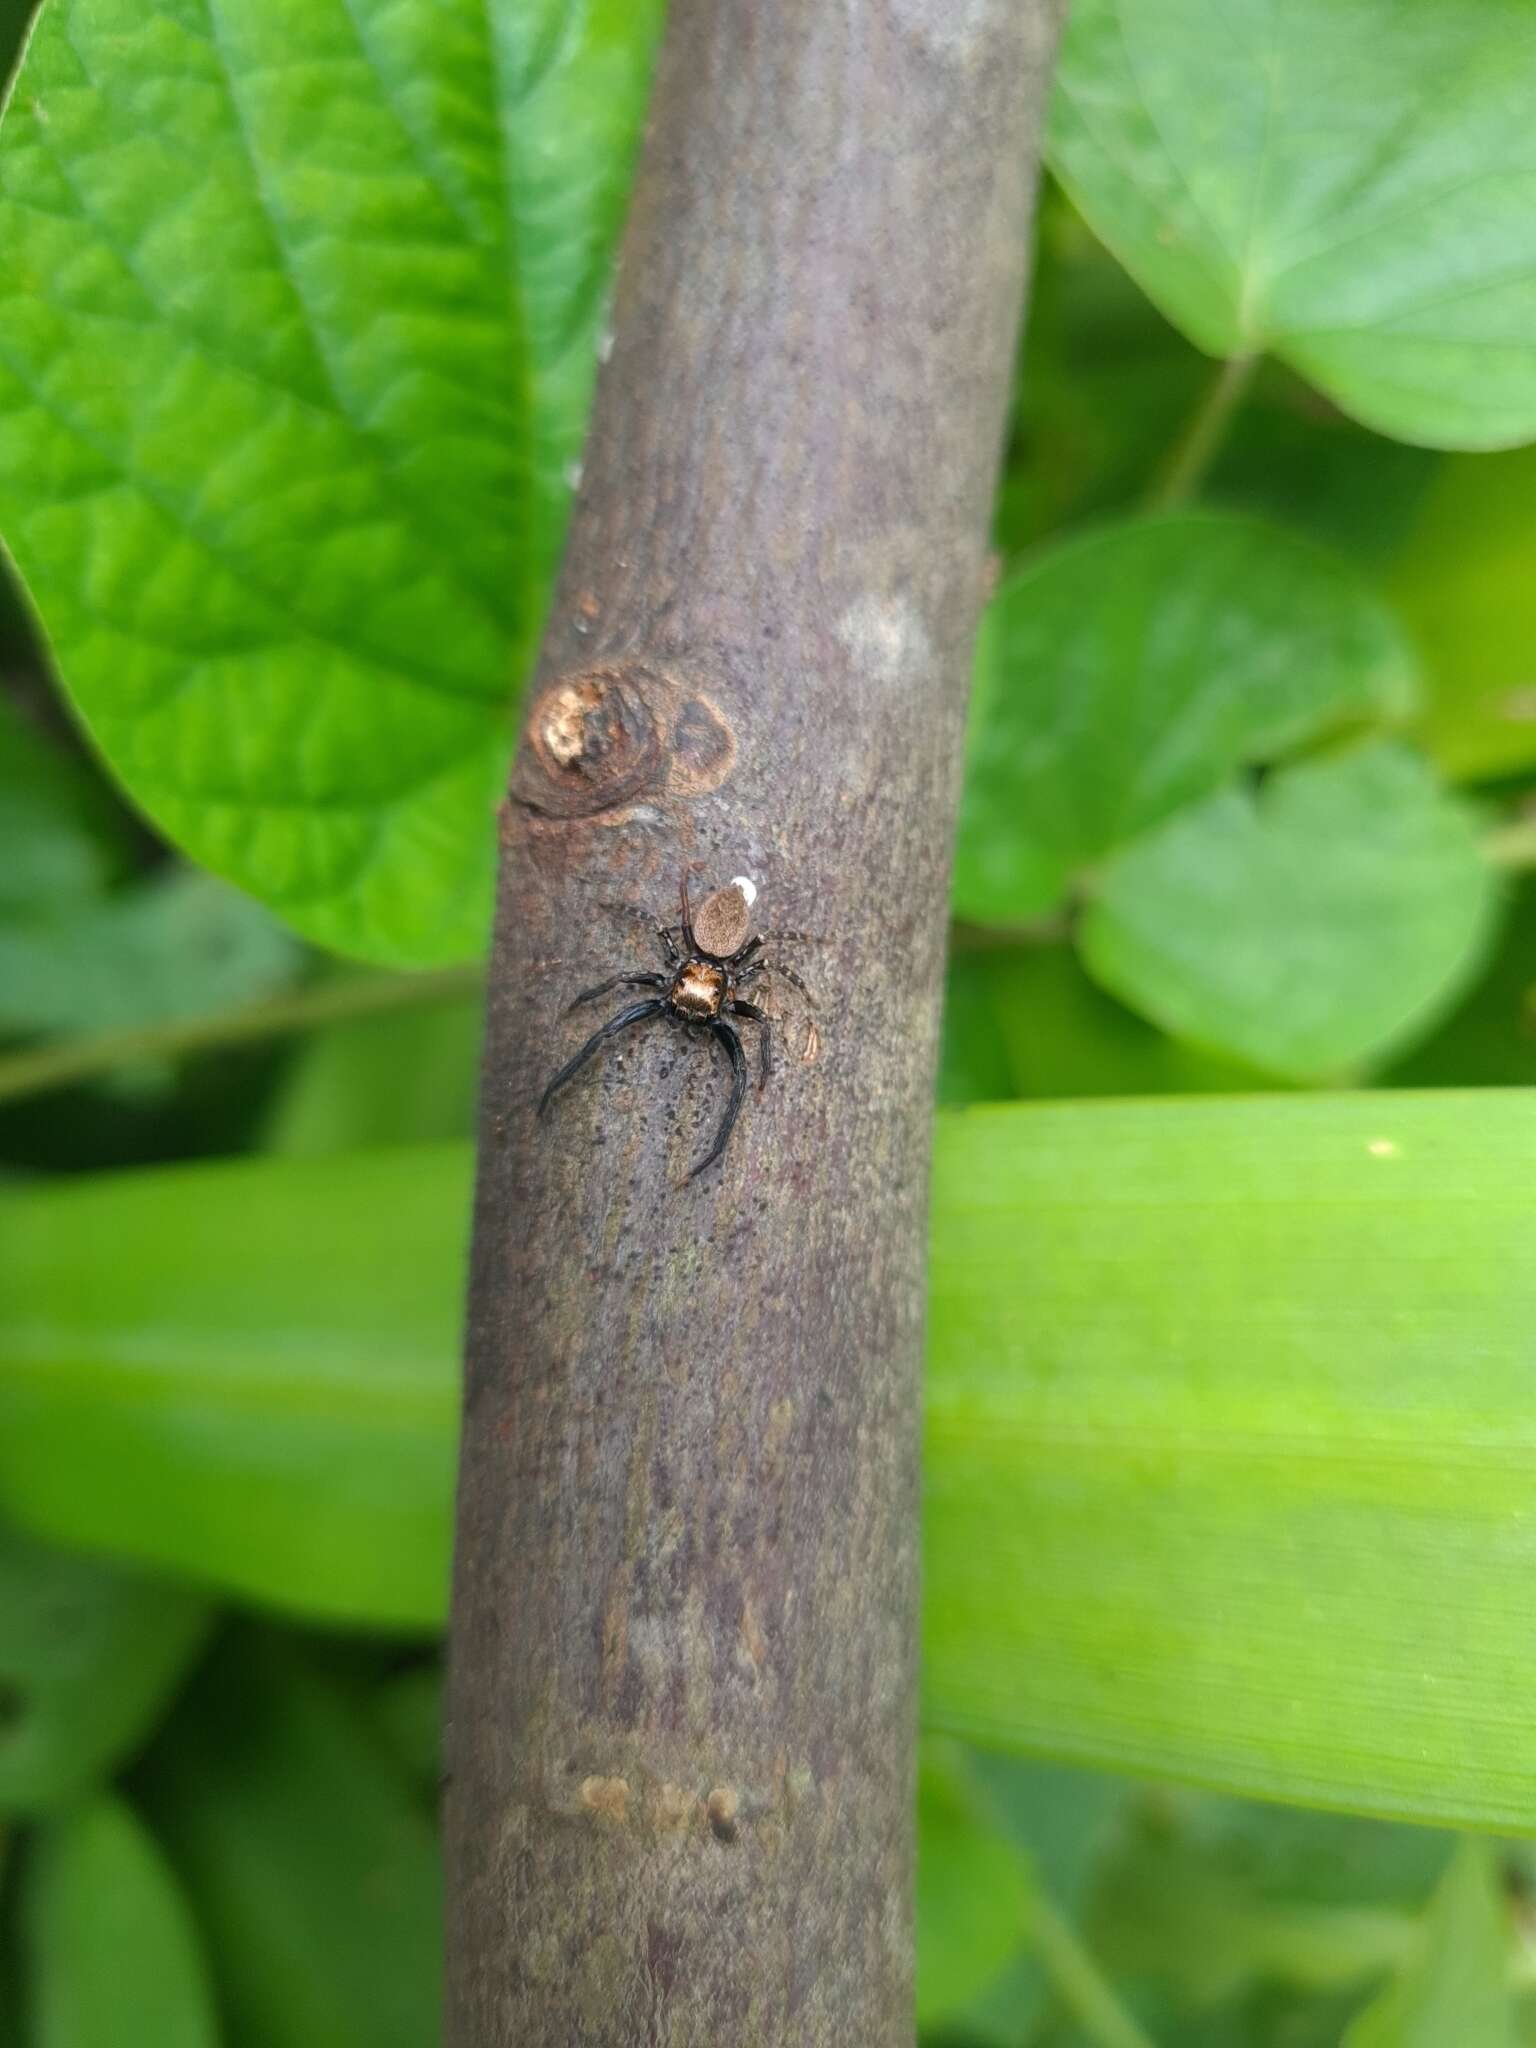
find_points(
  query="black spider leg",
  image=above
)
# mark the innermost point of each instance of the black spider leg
(682, 889)
(731, 1040)
(764, 1022)
(633, 1015)
(590, 995)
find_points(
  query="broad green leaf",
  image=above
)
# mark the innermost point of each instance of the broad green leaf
(1463, 582)
(246, 1372)
(1456, 1987)
(307, 1855)
(1230, 1447)
(112, 1957)
(1327, 918)
(973, 1890)
(89, 1653)
(1229, 1452)
(1034, 1024)
(1352, 187)
(300, 310)
(1127, 674)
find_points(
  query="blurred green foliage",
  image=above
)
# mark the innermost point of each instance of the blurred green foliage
(1229, 1443)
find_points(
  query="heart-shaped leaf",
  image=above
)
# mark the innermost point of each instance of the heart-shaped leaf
(1128, 673)
(1350, 186)
(300, 310)
(1316, 922)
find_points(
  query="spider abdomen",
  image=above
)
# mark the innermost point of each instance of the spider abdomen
(698, 990)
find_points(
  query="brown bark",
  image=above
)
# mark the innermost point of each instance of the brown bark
(682, 1704)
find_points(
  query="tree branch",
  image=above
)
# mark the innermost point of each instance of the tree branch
(682, 1710)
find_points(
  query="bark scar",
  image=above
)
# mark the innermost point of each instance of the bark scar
(601, 740)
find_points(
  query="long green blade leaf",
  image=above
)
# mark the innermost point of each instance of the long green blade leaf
(1230, 1438)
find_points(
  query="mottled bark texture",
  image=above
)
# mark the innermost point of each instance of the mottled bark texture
(682, 1705)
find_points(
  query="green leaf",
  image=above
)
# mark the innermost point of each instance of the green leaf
(306, 1853)
(1229, 1447)
(1351, 187)
(61, 845)
(174, 946)
(405, 1078)
(973, 1890)
(1053, 1032)
(113, 1959)
(89, 1653)
(1463, 583)
(1327, 918)
(1490, 1039)
(1229, 1443)
(1456, 1988)
(244, 1372)
(1128, 674)
(289, 515)
(85, 948)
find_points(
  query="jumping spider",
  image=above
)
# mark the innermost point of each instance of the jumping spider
(705, 974)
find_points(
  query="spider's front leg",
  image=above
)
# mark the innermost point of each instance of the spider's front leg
(731, 1040)
(741, 1008)
(590, 995)
(633, 1015)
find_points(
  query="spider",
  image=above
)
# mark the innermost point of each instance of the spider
(701, 987)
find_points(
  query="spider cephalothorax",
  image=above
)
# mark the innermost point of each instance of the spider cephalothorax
(710, 958)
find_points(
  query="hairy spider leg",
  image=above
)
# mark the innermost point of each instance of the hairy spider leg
(635, 1014)
(794, 981)
(590, 995)
(731, 1040)
(741, 1008)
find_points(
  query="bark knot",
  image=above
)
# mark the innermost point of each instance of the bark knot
(603, 738)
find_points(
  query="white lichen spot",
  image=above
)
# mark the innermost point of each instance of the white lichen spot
(747, 887)
(573, 474)
(887, 637)
(1383, 1148)
(605, 346)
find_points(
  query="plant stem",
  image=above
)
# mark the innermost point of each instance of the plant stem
(681, 1722)
(1200, 439)
(47, 1067)
(1079, 1983)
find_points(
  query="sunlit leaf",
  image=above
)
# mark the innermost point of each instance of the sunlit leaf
(1326, 918)
(301, 306)
(1352, 187)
